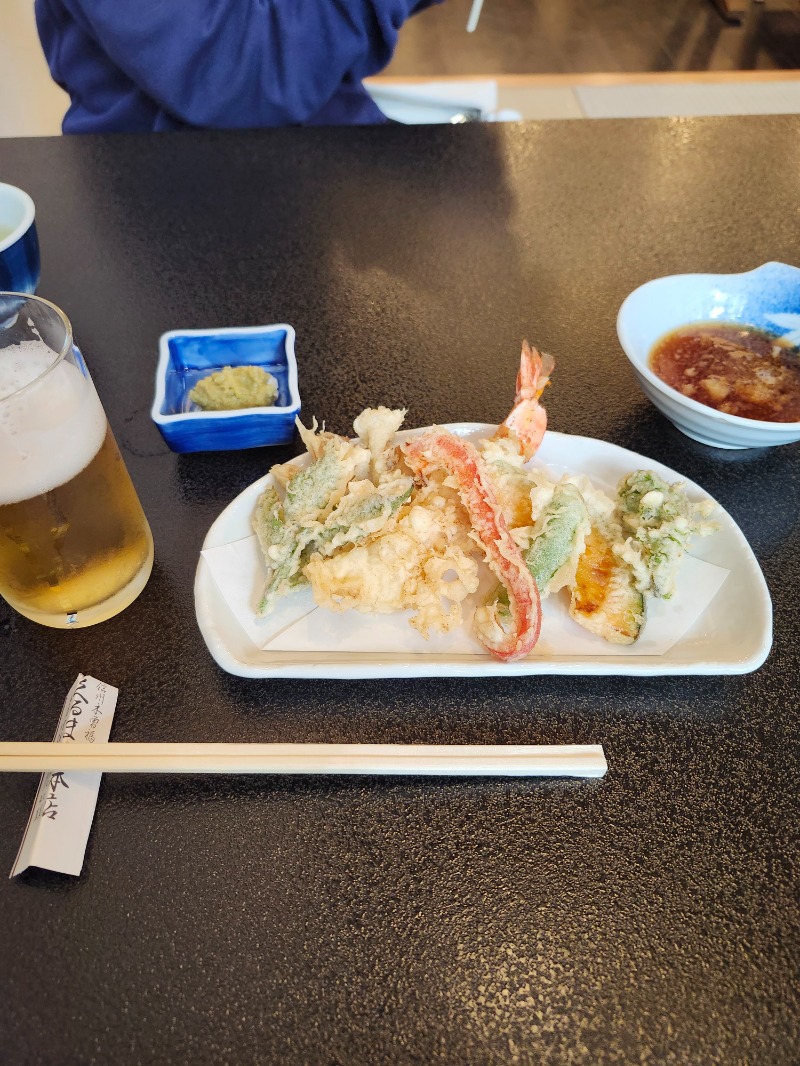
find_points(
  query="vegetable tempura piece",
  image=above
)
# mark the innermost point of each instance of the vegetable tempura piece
(286, 530)
(282, 545)
(511, 481)
(558, 540)
(439, 449)
(376, 426)
(287, 547)
(605, 599)
(314, 491)
(415, 562)
(661, 521)
(364, 511)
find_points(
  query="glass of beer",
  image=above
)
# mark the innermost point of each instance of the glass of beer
(75, 546)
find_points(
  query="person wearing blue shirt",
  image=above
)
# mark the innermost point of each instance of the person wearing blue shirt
(176, 64)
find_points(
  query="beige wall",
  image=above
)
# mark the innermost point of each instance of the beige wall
(30, 103)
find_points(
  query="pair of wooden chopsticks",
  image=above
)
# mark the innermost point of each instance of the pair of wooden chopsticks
(415, 759)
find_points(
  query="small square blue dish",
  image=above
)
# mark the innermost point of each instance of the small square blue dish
(187, 355)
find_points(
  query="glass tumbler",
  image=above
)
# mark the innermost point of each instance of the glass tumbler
(75, 546)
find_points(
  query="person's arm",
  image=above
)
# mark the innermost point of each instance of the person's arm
(229, 63)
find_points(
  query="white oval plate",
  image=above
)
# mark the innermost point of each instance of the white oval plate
(732, 636)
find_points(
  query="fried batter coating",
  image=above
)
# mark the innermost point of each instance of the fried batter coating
(417, 561)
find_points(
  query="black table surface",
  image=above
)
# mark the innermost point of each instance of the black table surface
(649, 916)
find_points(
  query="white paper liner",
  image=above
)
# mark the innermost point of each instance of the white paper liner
(297, 625)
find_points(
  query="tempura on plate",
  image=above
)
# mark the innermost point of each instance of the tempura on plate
(379, 525)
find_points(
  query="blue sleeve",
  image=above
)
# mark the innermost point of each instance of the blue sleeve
(234, 63)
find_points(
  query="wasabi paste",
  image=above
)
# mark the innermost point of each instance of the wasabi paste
(235, 388)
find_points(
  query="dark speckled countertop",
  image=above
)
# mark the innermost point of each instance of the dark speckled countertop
(651, 916)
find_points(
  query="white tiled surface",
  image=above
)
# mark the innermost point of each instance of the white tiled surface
(554, 102)
(631, 100)
(653, 101)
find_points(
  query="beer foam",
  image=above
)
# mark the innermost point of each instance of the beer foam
(50, 432)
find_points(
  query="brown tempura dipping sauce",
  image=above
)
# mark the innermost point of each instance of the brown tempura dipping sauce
(736, 369)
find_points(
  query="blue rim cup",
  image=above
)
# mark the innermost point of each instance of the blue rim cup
(19, 245)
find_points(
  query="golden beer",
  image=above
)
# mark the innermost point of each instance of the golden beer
(75, 546)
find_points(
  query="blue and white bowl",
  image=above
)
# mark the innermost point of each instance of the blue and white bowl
(767, 298)
(19, 243)
(186, 356)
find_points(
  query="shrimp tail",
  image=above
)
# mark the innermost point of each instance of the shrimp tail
(527, 421)
(439, 449)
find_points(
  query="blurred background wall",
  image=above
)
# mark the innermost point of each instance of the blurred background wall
(30, 104)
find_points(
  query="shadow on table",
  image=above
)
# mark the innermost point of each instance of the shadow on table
(422, 261)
